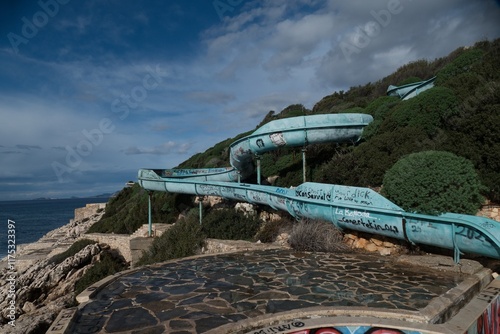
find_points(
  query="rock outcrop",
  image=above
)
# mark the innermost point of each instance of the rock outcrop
(41, 286)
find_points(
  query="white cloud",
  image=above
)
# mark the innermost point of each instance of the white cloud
(266, 55)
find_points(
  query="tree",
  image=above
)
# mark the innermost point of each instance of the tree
(434, 182)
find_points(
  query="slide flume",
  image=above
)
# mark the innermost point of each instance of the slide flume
(408, 91)
(355, 208)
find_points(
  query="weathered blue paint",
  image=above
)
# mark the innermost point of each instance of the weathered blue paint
(354, 208)
(408, 91)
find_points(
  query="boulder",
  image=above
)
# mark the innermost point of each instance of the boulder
(247, 209)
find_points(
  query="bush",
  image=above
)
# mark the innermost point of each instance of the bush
(434, 182)
(317, 236)
(462, 64)
(230, 224)
(75, 248)
(183, 239)
(429, 110)
(108, 265)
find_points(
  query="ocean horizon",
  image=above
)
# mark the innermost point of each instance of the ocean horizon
(35, 218)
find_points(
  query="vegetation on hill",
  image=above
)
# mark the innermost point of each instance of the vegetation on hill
(434, 182)
(183, 239)
(230, 224)
(126, 212)
(459, 115)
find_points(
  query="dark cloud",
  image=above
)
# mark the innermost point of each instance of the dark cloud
(28, 147)
(11, 152)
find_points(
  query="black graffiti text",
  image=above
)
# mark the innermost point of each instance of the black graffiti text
(370, 224)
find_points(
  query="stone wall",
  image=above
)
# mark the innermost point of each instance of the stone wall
(216, 246)
(88, 211)
(120, 242)
(490, 210)
(137, 246)
(374, 243)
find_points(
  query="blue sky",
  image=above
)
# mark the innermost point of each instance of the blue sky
(91, 91)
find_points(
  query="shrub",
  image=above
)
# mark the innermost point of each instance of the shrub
(434, 182)
(183, 239)
(230, 225)
(316, 236)
(428, 110)
(462, 64)
(108, 265)
(72, 250)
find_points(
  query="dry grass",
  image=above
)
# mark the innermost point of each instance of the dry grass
(317, 236)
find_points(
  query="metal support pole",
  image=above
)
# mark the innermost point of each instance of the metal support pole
(239, 177)
(258, 169)
(150, 225)
(200, 204)
(304, 164)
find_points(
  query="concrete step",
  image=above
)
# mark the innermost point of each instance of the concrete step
(157, 229)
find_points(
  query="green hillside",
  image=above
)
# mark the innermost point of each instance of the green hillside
(461, 115)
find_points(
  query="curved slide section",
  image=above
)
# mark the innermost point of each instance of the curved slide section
(408, 91)
(354, 208)
(290, 132)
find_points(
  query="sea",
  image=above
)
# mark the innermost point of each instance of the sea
(32, 219)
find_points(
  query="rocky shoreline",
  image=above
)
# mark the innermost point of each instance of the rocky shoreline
(42, 288)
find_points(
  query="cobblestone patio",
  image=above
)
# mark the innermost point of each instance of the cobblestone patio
(197, 295)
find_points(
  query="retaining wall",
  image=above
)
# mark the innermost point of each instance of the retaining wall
(121, 242)
(88, 211)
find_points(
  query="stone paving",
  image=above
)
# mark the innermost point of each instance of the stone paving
(199, 294)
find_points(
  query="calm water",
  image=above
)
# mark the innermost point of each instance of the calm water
(33, 219)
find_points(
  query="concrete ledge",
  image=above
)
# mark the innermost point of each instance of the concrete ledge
(63, 321)
(468, 315)
(90, 292)
(442, 308)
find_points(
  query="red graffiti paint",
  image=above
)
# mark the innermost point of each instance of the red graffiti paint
(327, 331)
(384, 331)
(318, 331)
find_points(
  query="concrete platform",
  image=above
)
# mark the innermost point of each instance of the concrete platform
(254, 291)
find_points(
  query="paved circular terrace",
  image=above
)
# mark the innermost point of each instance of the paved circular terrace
(200, 294)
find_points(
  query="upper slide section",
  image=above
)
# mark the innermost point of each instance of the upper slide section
(296, 131)
(290, 132)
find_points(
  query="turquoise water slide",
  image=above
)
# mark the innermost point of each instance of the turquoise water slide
(408, 91)
(354, 208)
